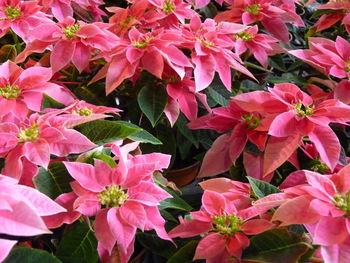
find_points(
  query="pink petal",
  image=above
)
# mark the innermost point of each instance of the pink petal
(210, 246)
(65, 200)
(81, 56)
(103, 231)
(61, 55)
(277, 28)
(85, 174)
(204, 71)
(327, 144)
(133, 213)
(153, 62)
(284, 125)
(213, 202)
(38, 152)
(278, 150)
(256, 226)
(12, 222)
(330, 231)
(43, 204)
(190, 228)
(238, 140)
(66, 146)
(156, 222)
(217, 159)
(296, 211)
(5, 248)
(122, 231)
(119, 69)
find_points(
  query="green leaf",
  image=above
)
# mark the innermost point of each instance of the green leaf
(166, 135)
(141, 136)
(100, 156)
(54, 181)
(261, 188)
(181, 124)
(278, 63)
(152, 101)
(217, 97)
(102, 131)
(49, 102)
(151, 241)
(184, 254)
(275, 246)
(294, 79)
(175, 202)
(251, 65)
(249, 85)
(78, 245)
(30, 255)
(209, 11)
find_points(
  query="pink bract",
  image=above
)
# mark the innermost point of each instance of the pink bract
(31, 142)
(123, 198)
(21, 91)
(223, 226)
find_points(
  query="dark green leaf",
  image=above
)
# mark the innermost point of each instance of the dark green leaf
(175, 202)
(217, 97)
(249, 85)
(102, 131)
(141, 136)
(277, 62)
(210, 10)
(168, 217)
(157, 245)
(54, 181)
(78, 245)
(181, 124)
(166, 135)
(184, 254)
(49, 102)
(294, 79)
(276, 246)
(30, 255)
(152, 101)
(261, 188)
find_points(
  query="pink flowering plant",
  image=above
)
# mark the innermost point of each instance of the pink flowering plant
(149, 131)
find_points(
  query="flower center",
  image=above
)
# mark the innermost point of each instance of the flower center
(82, 112)
(142, 44)
(113, 196)
(347, 68)
(227, 224)
(253, 9)
(126, 21)
(12, 12)
(205, 43)
(245, 36)
(252, 121)
(342, 202)
(319, 166)
(303, 111)
(168, 7)
(71, 31)
(173, 79)
(30, 134)
(10, 92)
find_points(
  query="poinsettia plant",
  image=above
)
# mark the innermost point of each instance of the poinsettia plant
(103, 103)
